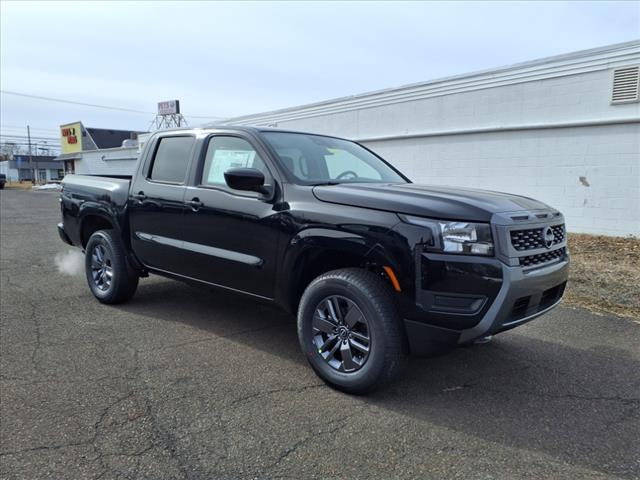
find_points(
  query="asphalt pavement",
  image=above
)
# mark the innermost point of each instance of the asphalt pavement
(189, 383)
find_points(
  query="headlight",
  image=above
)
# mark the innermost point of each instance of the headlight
(463, 237)
(458, 237)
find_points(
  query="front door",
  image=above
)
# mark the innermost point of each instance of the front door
(231, 235)
(156, 203)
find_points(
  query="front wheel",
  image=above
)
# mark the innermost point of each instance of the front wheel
(350, 331)
(108, 275)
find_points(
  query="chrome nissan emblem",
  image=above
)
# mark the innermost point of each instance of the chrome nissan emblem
(343, 332)
(549, 237)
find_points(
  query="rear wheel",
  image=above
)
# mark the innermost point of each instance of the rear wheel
(108, 275)
(350, 331)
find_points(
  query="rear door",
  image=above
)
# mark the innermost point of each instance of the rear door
(156, 202)
(232, 236)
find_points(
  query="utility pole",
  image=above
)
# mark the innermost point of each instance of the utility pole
(37, 175)
(33, 175)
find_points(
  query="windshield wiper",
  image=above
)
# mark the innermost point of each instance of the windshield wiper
(322, 184)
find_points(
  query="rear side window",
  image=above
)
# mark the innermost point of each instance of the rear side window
(172, 159)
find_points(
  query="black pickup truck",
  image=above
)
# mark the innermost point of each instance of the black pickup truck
(374, 266)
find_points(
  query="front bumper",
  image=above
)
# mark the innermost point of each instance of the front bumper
(510, 296)
(522, 297)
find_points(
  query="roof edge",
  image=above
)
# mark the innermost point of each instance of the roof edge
(631, 47)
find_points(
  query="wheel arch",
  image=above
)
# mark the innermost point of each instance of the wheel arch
(315, 251)
(91, 222)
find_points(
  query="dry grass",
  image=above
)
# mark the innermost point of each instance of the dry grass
(24, 185)
(605, 274)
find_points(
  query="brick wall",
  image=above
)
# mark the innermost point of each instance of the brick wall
(116, 161)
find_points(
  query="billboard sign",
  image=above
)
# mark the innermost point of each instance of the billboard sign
(71, 137)
(170, 107)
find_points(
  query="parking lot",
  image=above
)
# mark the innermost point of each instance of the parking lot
(197, 384)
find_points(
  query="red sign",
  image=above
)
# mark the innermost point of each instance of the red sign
(70, 133)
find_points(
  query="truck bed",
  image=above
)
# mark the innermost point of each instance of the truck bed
(99, 188)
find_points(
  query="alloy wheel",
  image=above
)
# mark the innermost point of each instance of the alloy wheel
(101, 268)
(341, 333)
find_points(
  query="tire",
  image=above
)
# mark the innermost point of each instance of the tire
(352, 290)
(105, 255)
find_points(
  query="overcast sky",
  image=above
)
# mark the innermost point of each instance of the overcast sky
(227, 59)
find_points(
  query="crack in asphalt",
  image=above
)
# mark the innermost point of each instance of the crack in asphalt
(36, 349)
(265, 393)
(339, 423)
(44, 447)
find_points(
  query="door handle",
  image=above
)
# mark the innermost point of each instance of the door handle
(195, 204)
(140, 196)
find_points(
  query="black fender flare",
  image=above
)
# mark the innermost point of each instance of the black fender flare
(90, 209)
(313, 242)
(115, 217)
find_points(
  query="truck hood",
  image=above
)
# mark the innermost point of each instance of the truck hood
(449, 203)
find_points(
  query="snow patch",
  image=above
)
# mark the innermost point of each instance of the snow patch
(48, 186)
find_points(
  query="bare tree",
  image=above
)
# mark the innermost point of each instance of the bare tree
(9, 149)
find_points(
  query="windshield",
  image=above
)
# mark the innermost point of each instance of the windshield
(315, 160)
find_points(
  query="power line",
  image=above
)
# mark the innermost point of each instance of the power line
(17, 135)
(22, 128)
(37, 137)
(39, 148)
(24, 142)
(49, 148)
(72, 102)
(94, 105)
(33, 142)
(39, 144)
(20, 134)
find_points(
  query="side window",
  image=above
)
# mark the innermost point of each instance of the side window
(224, 153)
(172, 159)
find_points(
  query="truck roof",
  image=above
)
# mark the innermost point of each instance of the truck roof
(242, 128)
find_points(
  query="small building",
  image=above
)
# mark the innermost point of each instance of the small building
(97, 151)
(42, 168)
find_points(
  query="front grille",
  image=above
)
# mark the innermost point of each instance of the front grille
(558, 233)
(533, 238)
(532, 260)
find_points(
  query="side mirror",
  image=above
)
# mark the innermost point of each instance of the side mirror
(249, 179)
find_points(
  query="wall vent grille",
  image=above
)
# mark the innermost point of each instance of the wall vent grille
(626, 83)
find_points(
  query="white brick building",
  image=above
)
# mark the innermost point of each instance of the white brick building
(548, 129)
